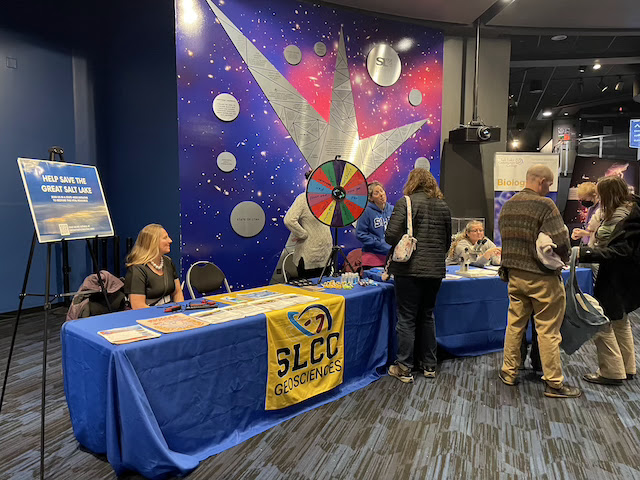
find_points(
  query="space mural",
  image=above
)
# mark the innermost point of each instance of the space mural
(269, 91)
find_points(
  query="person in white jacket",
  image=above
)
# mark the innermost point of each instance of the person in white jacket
(312, 237)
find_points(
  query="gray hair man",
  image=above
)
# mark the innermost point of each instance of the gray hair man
(532, 287)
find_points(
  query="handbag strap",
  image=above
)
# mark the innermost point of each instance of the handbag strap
(572, 285)
(409, 219)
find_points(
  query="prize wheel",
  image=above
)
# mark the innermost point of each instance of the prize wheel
(337, 193)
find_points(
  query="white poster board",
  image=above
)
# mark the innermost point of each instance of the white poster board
(510, 169)
(66, 200)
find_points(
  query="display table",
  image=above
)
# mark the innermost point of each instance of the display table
(471, 313)
(160, 406)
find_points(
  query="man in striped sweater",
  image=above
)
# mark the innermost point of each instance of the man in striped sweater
(532, 287)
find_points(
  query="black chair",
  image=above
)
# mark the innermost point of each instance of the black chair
(289, 269)
(206, 277)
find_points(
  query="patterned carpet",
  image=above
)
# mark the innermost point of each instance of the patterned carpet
(465, 424)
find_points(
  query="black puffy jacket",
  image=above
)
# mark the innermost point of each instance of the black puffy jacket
(432, 229)
(617, 285)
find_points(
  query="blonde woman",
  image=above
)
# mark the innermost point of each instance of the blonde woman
(588, 196)
(151, 277)
(471, 241)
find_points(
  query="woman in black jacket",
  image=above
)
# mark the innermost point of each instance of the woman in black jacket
(417, 281)
(617, 289)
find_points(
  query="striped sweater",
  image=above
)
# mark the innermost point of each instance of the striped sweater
(523, 217)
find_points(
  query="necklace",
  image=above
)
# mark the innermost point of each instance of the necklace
(158, 267)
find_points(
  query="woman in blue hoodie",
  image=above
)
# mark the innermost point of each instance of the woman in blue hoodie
(372, 225)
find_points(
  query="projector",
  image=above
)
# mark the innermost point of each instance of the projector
(474, 134)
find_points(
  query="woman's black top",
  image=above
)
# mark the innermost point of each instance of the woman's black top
(141, 280)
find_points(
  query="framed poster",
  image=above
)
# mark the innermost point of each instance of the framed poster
(66, 200)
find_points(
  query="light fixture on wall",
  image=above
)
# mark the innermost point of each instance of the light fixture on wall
(619, 84)
(602, 86)
(597, 66)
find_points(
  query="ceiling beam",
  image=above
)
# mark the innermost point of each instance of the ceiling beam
(574, 62)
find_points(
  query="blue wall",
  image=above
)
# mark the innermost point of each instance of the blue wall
(102, 85)
(36, 112)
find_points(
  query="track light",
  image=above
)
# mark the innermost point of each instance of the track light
(620, 84)
(602, 86)
(515, 143)
(547, 113)
(582, 69)
(597, 66)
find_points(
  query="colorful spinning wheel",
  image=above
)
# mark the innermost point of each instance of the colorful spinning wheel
(337, 193)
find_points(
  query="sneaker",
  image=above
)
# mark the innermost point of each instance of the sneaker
(600, 380)
(630, 376)
(401, 374)
(564, 391)
(429, 372)
(511, 383)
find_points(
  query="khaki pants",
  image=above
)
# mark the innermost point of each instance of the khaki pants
(616, 354)
(544, 296)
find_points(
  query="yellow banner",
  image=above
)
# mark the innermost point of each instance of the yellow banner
(306, 350)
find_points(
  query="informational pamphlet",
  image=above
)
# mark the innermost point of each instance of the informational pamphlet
(122, 335)
(173, 323)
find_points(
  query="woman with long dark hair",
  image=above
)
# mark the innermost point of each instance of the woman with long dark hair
(417, 281)
(614, 343)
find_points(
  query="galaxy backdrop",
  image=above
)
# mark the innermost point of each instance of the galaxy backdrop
(270, 168)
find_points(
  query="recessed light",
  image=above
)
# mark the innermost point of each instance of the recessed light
(597, 66)
(547, 113)
(557, 38)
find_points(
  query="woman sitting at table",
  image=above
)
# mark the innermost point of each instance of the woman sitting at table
(472, 242)
(151, 277)
(372, 225)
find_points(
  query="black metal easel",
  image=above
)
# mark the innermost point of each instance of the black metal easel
(332, 261)
(53, 151)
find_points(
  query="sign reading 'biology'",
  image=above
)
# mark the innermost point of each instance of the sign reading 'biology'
(306, 351)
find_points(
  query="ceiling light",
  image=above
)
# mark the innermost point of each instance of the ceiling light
(597, 66)
(515, 143)
(620, 84)
(582, 68)
(557, 38)
(535, 86)
(566, 113)
(547, 113)
(602, 86)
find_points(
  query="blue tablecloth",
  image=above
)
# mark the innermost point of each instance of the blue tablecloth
(161, 406)
(471, 313)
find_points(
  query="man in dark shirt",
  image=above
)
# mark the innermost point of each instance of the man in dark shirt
(532, 287)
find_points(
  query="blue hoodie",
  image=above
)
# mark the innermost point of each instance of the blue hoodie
(371, 227)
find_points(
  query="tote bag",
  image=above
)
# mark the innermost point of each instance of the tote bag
(583, 317)
(407, 244)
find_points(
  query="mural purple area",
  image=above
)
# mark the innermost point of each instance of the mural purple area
(270, 166)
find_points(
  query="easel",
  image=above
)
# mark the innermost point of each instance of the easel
(53, 151)
(332, 261)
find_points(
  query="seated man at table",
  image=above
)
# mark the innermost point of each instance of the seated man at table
(531, 288)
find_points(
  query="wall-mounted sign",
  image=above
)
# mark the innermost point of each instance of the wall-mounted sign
(247, 219)
(634, 133)
(66, 200)
(226, 162)
(423, 162)
(292, 55)
(383, 65)
(226, 107)
(320, 49)
(415, 97)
